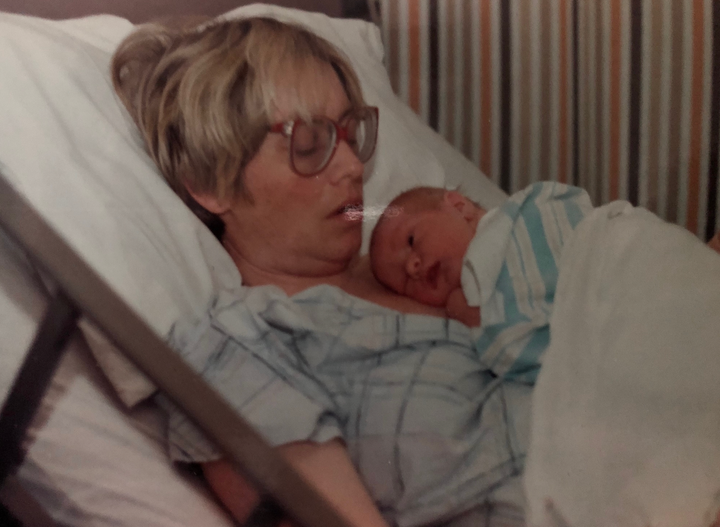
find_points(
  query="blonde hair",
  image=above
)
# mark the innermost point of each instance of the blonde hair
(204, 97)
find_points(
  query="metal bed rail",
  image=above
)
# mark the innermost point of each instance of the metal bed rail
(81, 291)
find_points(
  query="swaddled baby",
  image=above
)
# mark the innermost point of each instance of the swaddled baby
(440, 248)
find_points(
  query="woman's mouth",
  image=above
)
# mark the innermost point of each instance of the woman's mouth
(351, 212)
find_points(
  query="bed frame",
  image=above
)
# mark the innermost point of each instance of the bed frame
(79, 291)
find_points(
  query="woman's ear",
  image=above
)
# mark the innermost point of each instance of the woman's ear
(210, 202)
(462, 204)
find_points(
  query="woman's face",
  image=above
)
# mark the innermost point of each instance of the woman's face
(299, 225)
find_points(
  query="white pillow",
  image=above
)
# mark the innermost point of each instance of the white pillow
(71, 149)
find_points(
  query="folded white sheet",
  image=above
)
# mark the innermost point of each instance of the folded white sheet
(626, 412)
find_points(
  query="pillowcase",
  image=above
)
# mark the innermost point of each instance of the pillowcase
(71, 149)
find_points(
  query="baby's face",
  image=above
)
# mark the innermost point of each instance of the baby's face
(420, 254)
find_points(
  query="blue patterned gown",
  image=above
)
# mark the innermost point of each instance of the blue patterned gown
(431, 431)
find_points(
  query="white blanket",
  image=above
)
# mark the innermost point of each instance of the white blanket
(626, 413)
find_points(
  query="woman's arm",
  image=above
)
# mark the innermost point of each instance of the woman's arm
(326, 466)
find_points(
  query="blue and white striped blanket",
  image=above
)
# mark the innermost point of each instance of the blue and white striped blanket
(511, 271)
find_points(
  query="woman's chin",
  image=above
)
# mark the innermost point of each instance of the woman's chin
(348, 247)
(352, 249)
(340, 245)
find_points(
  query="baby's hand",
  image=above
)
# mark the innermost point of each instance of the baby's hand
(458, 309)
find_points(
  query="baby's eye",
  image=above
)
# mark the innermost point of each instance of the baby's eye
(411, 240)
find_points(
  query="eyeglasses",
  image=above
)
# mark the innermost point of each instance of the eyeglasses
(313, 143)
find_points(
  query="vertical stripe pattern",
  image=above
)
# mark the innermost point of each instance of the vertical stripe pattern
(621, 97)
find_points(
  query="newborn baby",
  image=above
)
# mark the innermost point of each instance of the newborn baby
(440, 248)
(419, 244)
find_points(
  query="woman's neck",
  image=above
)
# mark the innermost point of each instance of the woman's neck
(255, 273)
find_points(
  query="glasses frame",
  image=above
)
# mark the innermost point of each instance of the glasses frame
(287, 129)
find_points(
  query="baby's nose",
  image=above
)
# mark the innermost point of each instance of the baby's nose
(412, 266)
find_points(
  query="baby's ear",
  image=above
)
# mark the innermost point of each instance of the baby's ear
(459, 202)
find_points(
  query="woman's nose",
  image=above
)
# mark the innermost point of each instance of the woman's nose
(345, 164)
(412, 266)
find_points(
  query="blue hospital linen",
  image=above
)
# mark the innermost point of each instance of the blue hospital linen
(426, 425)
(511, 270)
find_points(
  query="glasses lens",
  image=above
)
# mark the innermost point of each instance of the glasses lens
(362, 133)
(312, 145)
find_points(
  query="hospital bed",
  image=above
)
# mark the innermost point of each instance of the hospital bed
(94, 451)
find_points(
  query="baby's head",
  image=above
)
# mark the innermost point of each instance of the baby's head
(418, 245)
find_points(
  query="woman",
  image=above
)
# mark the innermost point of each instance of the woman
(261, 128)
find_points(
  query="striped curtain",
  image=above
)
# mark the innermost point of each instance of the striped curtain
(621, 97)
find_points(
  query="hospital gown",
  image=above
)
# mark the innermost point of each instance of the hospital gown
(510, 271)
(430, 430)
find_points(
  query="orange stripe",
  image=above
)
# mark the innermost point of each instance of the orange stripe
(523, 135)
(414, 54)
(652, 72)
(615, 72)
(563, 94)
(696, 117)
(486, 139)
(544, 83)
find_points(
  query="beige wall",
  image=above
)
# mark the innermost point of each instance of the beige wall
(141, 10)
